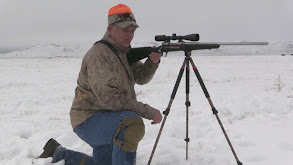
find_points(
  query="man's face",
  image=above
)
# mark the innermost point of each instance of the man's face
(123, 36)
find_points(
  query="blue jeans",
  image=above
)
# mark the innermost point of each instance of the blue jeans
(98, 131)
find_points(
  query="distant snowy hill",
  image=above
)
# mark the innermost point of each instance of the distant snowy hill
(77, 50)
(50, 50)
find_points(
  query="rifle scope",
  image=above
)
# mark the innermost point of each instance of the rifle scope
(190, 37)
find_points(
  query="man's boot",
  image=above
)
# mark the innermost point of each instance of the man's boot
(49, 148)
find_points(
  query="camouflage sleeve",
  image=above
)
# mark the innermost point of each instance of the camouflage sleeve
(104, 79)
(144, 72)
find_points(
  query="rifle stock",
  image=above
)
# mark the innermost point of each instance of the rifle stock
(136, 54)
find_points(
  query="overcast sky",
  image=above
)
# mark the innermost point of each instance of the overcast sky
(24, 23)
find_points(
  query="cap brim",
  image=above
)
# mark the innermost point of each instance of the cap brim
(125, 24)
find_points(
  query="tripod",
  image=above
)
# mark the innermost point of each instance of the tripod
(188, 60)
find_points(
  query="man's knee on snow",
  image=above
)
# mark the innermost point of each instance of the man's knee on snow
(129, 133)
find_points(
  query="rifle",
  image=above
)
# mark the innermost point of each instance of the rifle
(136, 54)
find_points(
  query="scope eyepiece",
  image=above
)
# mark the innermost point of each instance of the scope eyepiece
(160, 37)
(190, 37)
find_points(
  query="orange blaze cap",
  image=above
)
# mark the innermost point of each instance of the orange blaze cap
(119, 9)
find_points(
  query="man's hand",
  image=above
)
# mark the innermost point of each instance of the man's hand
(157, 118)
(155, 57)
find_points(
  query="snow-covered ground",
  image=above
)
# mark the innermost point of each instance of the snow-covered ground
(254, 96)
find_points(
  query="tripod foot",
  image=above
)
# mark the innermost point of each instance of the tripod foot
(239, 163)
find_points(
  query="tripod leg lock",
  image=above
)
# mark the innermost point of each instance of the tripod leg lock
(187, 103)
(214, 111)
(166, 112)
(187, 140)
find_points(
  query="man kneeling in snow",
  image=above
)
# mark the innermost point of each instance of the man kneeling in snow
(105, 112)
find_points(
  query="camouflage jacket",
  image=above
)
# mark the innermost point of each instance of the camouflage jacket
(103, 83)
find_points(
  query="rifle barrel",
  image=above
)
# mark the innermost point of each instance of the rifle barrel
(236, 43)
